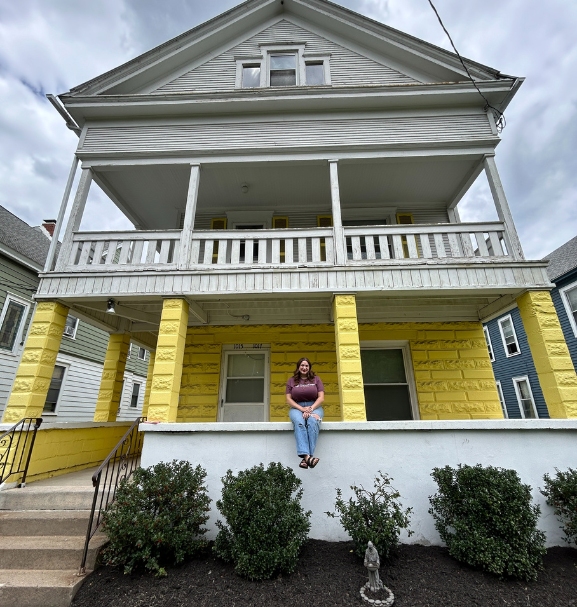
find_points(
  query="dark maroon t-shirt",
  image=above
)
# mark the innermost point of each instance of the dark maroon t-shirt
(306, 390)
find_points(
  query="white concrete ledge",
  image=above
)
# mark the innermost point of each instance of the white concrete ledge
(412, 426)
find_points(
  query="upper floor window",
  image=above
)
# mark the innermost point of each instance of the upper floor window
(509, 337)
(525, 397)
(141, 353)
(12, 322)
(282, 65)
(70, 326)
(569, 297)
(489, 344)
(54, 389)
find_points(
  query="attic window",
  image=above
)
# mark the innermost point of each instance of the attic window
(250, 75)
(283, 69)
(315, 73)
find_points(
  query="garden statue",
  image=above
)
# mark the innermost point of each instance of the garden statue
(373, 563)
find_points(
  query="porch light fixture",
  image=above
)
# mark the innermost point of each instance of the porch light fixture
(110, 306)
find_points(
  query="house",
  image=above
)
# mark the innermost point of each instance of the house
(293, 172)
(75, 380)
(517, 378)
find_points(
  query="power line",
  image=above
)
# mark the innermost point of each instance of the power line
(500, 117)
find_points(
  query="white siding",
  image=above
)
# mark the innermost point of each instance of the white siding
(8, 366)
(287, 134)
(347, 67)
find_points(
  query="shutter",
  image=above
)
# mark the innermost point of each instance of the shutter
(278, 223)
(324, 221)
(218, 223)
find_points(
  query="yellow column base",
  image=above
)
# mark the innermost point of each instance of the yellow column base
(550, 353)
(35, 371)
(167, 373)
(110, 391)
(348, 349)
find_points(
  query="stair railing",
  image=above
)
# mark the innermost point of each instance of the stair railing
(16, 445)
(120, 464)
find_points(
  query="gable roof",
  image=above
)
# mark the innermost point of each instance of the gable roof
(228, 28)
(562, 260)
(17, 236)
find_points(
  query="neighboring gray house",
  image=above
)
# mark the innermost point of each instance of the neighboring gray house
(78, 370)
(517, 380)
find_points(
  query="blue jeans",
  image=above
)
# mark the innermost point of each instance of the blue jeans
(306, 430)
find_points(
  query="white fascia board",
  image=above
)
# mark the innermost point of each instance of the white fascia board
(19, 258)
(296, 100)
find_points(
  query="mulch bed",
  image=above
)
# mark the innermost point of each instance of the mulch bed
(329, 574)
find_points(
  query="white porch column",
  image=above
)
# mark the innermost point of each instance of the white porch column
(339, 233)
(189, 215)
(502, 206)
(60, 218)
(75, 218)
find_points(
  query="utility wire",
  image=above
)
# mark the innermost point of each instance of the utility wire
(500, 121)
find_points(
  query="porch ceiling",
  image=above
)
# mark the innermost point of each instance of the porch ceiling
(157, 193)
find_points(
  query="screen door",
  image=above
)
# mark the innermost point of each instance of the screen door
(244, 394)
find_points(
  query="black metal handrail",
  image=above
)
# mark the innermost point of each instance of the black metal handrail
(16, 447)
(120, 464)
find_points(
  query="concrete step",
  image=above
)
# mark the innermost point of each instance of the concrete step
(48, 552)
(44, 522)
(47, 498)
(25, 588)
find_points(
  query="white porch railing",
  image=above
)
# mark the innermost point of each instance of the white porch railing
(224, 249)
(402, 242)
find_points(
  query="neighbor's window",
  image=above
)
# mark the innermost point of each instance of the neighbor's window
(142, 353)
(11, 322)
(70, 326)
(525, 397)
(489, 344)
(135, 395)
(54, 389)
(502, 400)
(250, 75)
(569, 296)
(509, 336)
(283, 69)
(315, 73)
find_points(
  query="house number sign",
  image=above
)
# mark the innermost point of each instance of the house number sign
(248, 346)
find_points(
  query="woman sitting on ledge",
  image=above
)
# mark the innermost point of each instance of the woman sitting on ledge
(305, 394)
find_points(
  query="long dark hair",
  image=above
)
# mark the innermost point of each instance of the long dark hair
(297, 373)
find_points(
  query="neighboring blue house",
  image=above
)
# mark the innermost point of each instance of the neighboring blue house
(513, 366)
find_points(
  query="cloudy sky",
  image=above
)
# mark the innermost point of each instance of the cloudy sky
(49, 46)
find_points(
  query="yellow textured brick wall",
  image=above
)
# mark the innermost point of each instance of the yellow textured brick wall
(37, 365)
(348, 351)
(110, 391)
(61, 450)
(167, 373)
(550, 353)
(146, 400)
(288, 343)
(453, 373)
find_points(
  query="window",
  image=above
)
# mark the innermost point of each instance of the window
(509, 336)
(142, 353)
(250, 75)
(387, 383)
(489, 344)
(54, 389)
(569, 298)
(315, 73)
(502, 400)
(283, 69)
(70, 327)
(525, 397)
(12, 322)
(135, 394)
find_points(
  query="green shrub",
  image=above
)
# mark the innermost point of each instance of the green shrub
(485, 517)
(265, 524)
(561, 493)
(157, 517)
(374, 516)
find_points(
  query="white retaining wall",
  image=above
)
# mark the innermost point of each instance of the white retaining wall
(355, 452)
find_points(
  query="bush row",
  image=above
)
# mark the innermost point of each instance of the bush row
(483, 514)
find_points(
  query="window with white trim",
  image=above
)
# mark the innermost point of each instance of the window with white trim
(135, 394)
(525, 397)
(502, 400)
(489, 344)
(509, 337)
(54, 389)
(12, 321)
(142, 353)
(70, 327)
(569, 298)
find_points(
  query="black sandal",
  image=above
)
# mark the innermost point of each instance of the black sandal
(304, 465)
(312, 461)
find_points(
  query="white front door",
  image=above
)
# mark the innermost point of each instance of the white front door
(244, 387)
